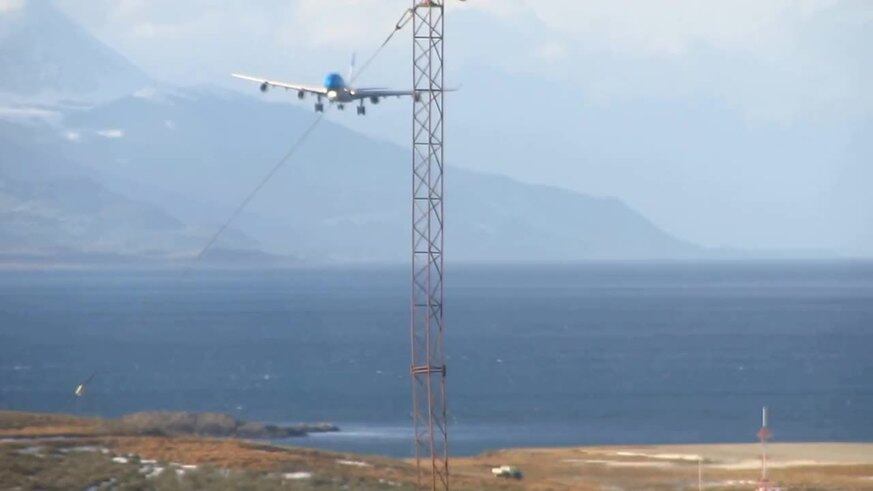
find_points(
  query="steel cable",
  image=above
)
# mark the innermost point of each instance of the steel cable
(401, 23)
(260, 185)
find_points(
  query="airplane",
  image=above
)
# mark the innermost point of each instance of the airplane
(334, 89)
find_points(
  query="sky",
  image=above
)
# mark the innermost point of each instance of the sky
(731, 124)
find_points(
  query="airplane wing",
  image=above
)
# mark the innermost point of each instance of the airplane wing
(380, 92)
(273, 83)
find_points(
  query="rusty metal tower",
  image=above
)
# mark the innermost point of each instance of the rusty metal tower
(428, 368)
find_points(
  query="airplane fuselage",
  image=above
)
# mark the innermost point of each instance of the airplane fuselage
(337, 90)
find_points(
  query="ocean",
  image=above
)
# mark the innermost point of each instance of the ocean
(546, 355)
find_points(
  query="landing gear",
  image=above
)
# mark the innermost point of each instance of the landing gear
(340, 106)
(362, 110)
(319, 107)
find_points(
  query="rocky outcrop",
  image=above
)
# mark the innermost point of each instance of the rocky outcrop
(207, 424)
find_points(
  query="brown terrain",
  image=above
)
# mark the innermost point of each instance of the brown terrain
(47, 451)
(801, 466)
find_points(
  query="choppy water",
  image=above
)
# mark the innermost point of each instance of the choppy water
(546, 355)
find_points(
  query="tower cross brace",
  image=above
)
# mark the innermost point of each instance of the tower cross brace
(428, 366)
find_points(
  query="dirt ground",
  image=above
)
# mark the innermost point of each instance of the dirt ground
(843, 466)
(43, 451)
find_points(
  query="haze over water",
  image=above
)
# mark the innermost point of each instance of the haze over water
(537, 355)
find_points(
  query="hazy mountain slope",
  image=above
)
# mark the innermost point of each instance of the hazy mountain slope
(343, 196)
(504, 219)
(154, 172)
(50, 207)
(46, 56)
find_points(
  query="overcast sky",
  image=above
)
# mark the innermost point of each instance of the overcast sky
(741, 123)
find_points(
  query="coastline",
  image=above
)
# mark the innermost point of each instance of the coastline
(37, 448)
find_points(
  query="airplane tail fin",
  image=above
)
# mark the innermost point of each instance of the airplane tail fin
(352, 67)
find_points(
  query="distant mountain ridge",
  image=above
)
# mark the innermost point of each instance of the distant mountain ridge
(45, 56)
(343, 197)
(152, 173)
(53, 208)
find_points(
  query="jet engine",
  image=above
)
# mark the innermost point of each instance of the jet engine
(300, 94)
(264, 86)
(374, 100)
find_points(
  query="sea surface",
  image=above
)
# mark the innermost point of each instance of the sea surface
(537, 355)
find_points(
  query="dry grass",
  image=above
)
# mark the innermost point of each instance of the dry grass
(79, 463)
(21, 424)
(31, 466)
(17, 419)
(31, 461)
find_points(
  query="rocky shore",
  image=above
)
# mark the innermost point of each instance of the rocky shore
(174, 423)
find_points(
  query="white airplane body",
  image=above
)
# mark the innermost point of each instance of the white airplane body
(334, 89)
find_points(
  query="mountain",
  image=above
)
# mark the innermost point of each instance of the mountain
(47, 57)
(51, 209)
(343, 197)
(152, 173)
